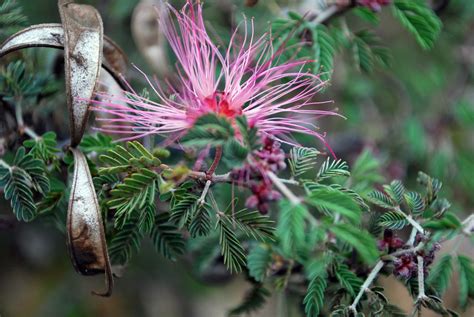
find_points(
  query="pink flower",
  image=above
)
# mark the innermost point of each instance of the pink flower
(243, 80)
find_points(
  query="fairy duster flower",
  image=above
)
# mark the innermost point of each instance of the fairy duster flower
(244, 79)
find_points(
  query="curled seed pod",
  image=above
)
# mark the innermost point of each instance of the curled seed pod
(85, 231)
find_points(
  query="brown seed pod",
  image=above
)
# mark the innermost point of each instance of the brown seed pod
(86, 237)
(52, 35)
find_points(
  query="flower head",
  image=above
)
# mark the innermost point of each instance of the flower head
(246, 79)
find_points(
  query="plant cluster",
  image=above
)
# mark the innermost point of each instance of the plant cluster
(290, 218)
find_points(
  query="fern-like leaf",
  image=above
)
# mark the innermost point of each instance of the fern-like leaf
(166, 238)
(302, 160)
(331, 168)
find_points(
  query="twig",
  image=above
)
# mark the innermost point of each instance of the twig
(421, 278)
(372, 276)
(215, 163)
(283, 188)
(202, 199)
(380, 264)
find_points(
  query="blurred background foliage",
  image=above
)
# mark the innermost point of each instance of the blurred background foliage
(416, 114)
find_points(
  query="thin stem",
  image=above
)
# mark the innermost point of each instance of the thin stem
(415, 224)
(326, 14)
(283, 188)
(215, 163)
(421, 278)
(411, 240)
(370, 279)
(202, 199)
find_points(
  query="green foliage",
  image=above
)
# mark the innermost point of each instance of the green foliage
(324, 49)
(314, 298)
(441, 273)
(97, 143)
(125, 242)
(302, 160)
(258, 261)
(183, 209)
(209, 129)
(393, 220)
(231, 249)
(254, 299)
(253, 224)
(419, 19)
(135, 193)
(368, 50)
(11, 16)
(249, 134)
(120, 159)
(332, 200)
(360, 240)
(16, 83)
(331, 168)
(291, 227)
(348, 279)
(168, 241)
(466, 279)
(380, 199)
(20, 180)
(44, 147)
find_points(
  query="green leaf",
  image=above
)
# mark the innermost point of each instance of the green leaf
(365, 173)
(360, 240)
(20, 180)
(235, 154)
(231, 249)
(253, 301)
(393, 220)
(314, 299)
(335, 201)
(440, 274)
(332, 168)
(249, 134)
(415, 202)
(381, 199)
(11, 16)
(133, 158)
(209, 129)
(43, 147)
(258, 261)
(302, 160)
(97, 143)
(324, 49)
(254, 224)
(134, 193)
(183, 209)
(348, 279)
(368, 50)
(367, 15)
(166, 238)
(419, 19)
(291, 227)
(466, 279)
(125, 242)
(201, 222)
(449, 222)
(432, 185)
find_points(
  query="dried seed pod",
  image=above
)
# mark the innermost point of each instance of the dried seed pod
(52, 35)
(86, 237)
(83, 32)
